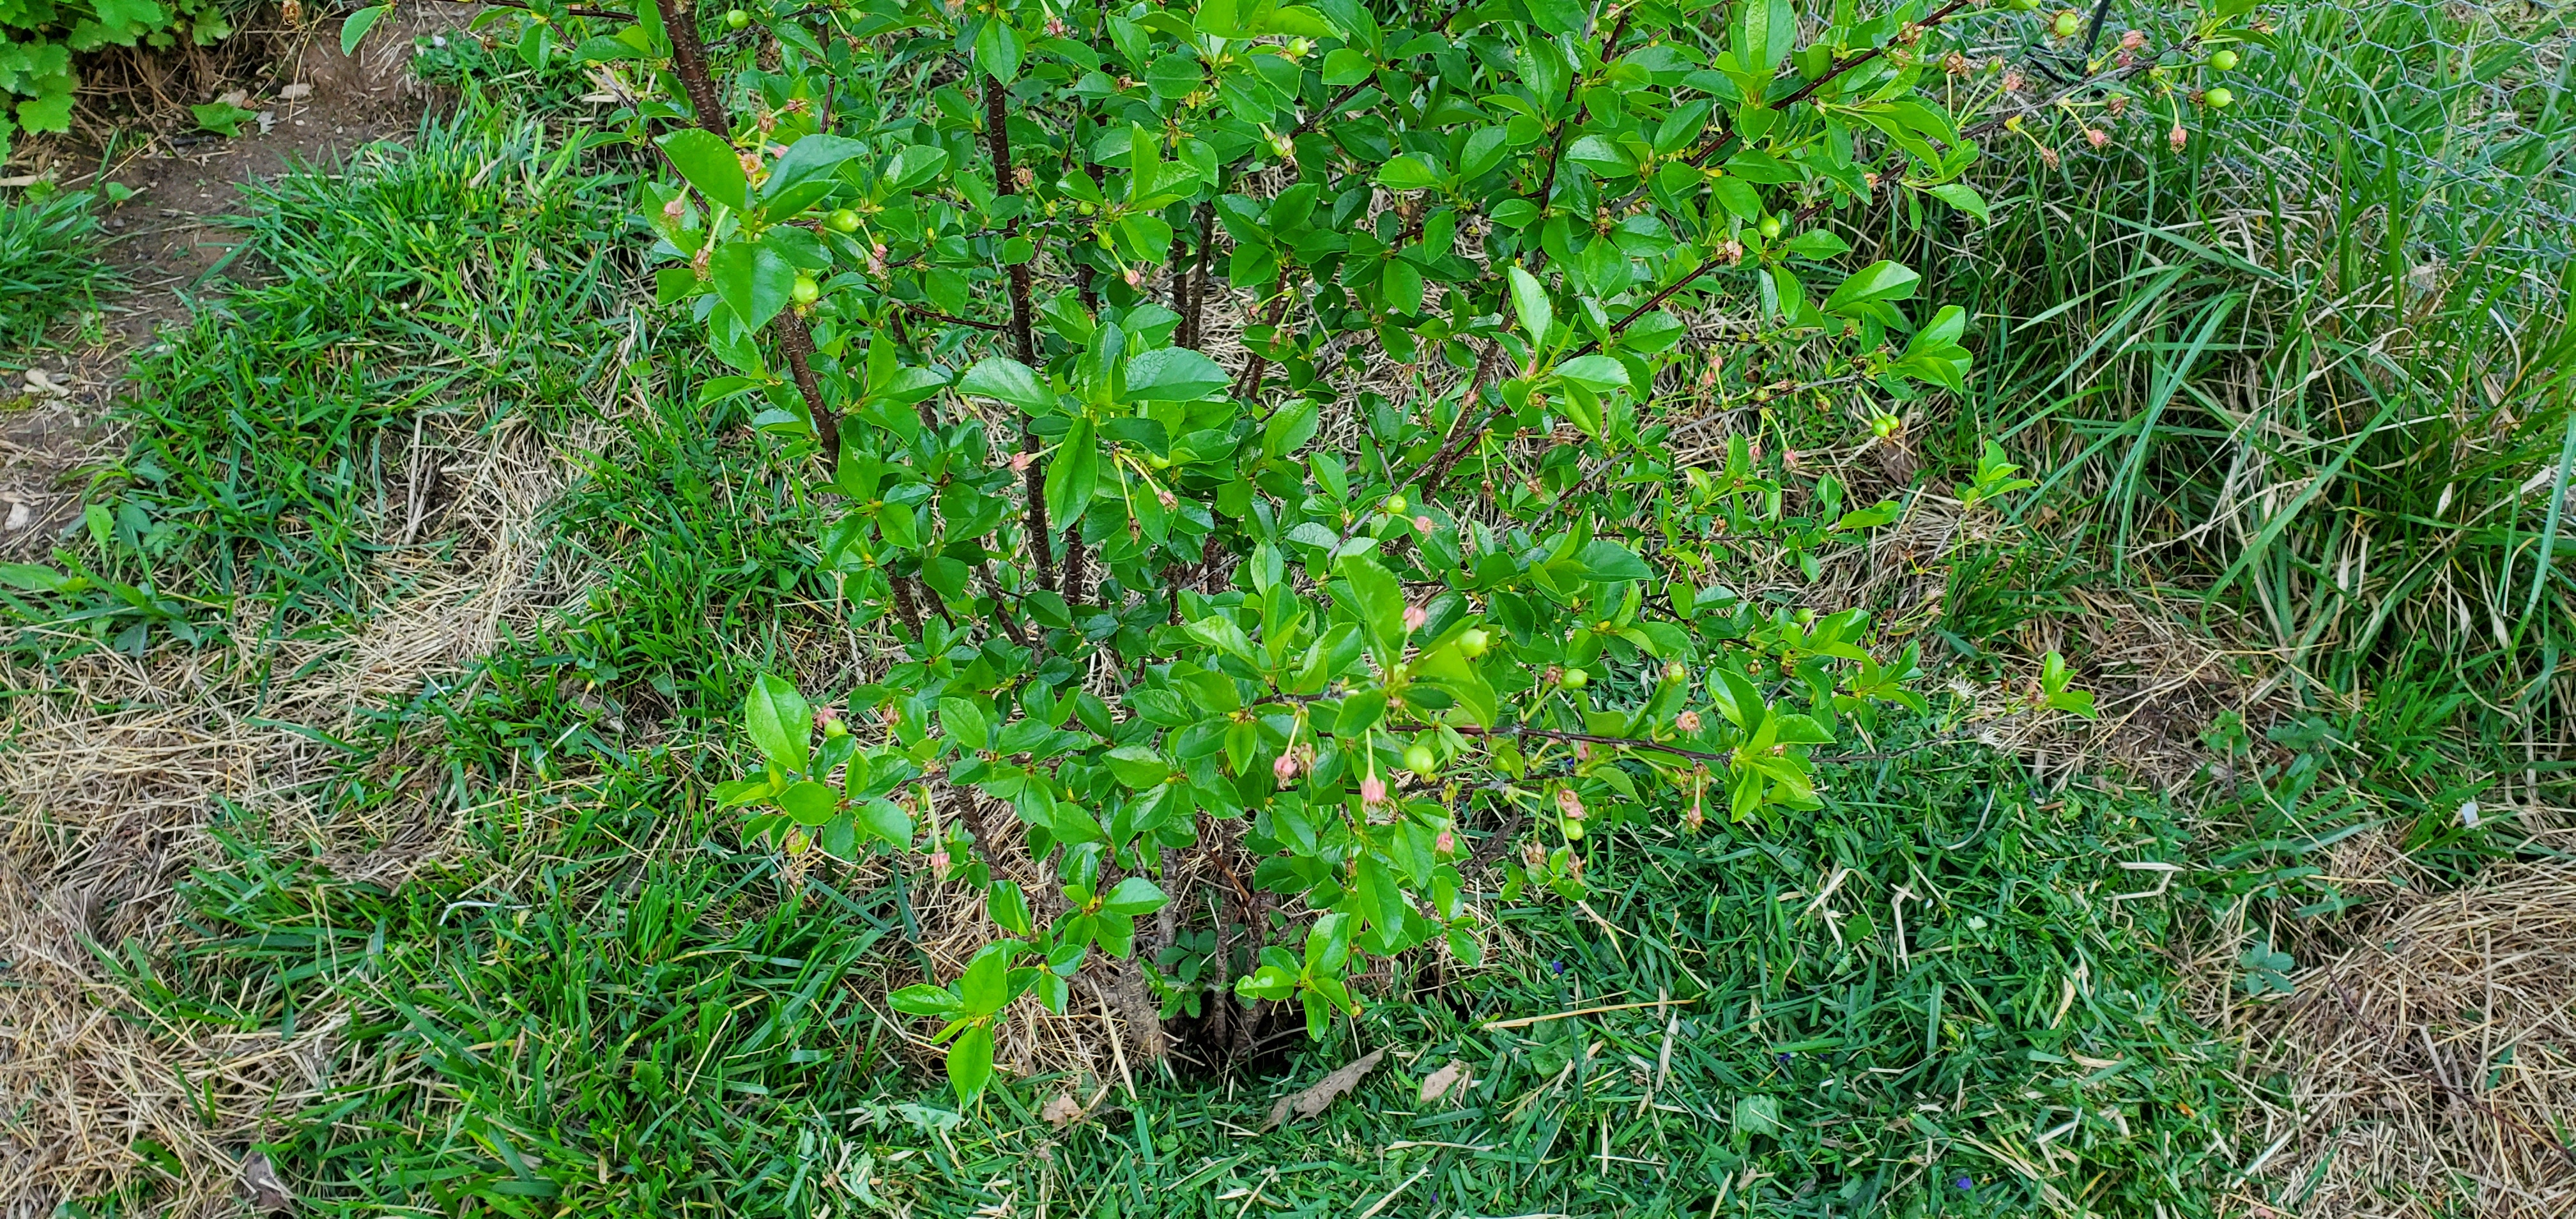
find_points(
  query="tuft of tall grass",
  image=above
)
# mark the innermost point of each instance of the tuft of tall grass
(49, 264)
(2313, 372)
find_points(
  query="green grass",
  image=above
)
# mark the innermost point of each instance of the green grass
(466, 283)
(617, 1011)
(49, 264)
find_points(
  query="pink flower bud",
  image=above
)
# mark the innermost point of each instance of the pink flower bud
(825, 717)
(2177, 137)
(2096, 136)
(1422, 523)
(676, 209)
(1687, 721)
(1446, 843)
(2013, 81)
(1284, 769)
(1582, 751)
(2133, 40)
(1020, 462)
(1372, 790)
(1135, 279)
(1415, 616)
(1569, 804)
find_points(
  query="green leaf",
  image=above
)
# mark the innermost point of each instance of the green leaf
(1879, 281)
(1380, 605)
(353, 29)
(970, 1062)
(914, 165)
(222, 118)
(709, 163)
(1410, 171)
(1606, 560)
(1529, 300)
(1346, 67)
(924, 1000)
(1173, 374)
(965, 723)
(1603, 156)
(781, 722)
(1764, 32)
(1138, 766)
(35, 578)
(1133, 896)
(1963, 197)
(997, 49)
(986, 984)
(1072, 474)
(1596, 372)
(1007, 380)
(752, 279)
(886, 821)
(810, 803)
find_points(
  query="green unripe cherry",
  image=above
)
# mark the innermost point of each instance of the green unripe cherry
(1770, 226)
(1576, 679)
(1885, 427)
(736, 18)
(843, 220)
(835, 729)
(1396, 504)
(1418, 759)
(2067, 23)
(2219, 98)
(1473, 641)
(805, 291)
(2224, 60)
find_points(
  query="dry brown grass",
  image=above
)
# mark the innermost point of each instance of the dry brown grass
(112, 771)
(2430, 1068)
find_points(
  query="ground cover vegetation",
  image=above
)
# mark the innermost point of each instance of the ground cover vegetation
(1170, 551)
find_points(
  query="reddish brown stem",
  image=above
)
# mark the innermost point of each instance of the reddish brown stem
(997, 145)
(689, 59)
(798, 343)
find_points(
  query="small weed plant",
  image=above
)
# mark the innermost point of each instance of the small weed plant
(1254, 419)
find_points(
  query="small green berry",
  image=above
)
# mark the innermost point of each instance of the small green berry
(2223, 60)
(736, 18)
(1576, 679)
(843, 220)
(2067, 23)
(805, 291)
(1770, 226)
(1473, 641)
(2219, 98)
(1396, 504)
(1419, 759)
(1885, 427)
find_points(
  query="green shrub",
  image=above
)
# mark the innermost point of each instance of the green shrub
(1330, 614)
(39, 37)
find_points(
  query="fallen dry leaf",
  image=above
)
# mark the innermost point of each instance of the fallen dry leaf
(295, 92)
(1451, 1078)
(267, 1193)
(1313, 1100)
(1061, 1112)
